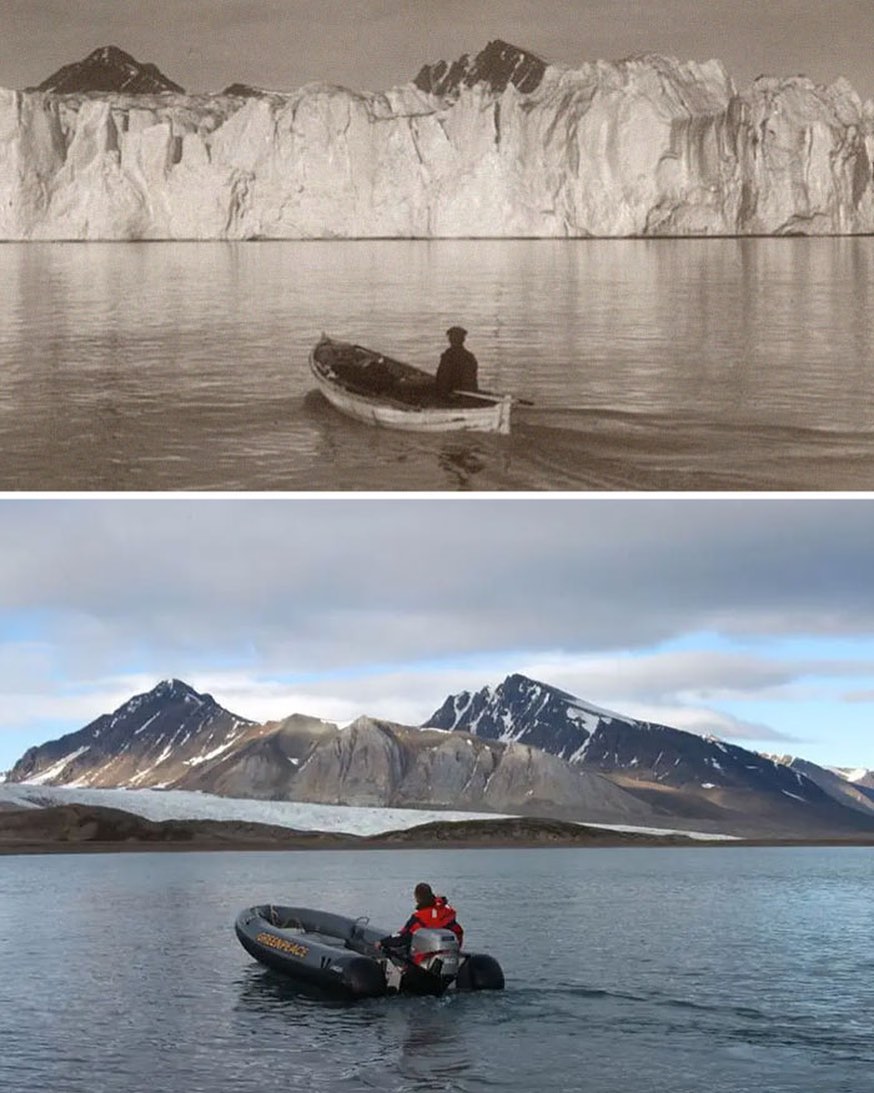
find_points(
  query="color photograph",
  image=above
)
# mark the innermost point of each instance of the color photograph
(612, 757)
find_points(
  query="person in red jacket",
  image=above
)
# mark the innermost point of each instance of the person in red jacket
(431, 911)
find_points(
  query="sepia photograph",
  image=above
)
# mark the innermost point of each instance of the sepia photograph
(436, 507)
(392, 245)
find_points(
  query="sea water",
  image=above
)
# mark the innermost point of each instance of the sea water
(651, 364)
(666, 970)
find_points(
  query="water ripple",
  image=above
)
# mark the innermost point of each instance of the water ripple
(653, 364)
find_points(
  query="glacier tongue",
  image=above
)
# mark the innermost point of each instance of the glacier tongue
(645, 146)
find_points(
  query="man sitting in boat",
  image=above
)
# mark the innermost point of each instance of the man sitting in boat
(457, 370)
(432, 912)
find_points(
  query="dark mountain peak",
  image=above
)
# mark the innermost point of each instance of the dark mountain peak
(517, 685)
(517, 700)
(245, 91)
(168, 690)
(108, 69)
(173, 685)
(109, 56)
(523, 710)
(170, 724)
(497, 66)
(501, 58)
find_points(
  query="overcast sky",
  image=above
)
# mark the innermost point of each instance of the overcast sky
(750, 619)
(204, 45)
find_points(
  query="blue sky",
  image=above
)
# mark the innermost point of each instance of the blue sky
(749, 619)
(204, 45)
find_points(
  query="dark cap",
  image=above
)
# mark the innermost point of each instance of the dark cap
(456, 330)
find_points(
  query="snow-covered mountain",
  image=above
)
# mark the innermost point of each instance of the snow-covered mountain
(151, 740)
(498, 144)
(520, 709)
(533, 713)
(175, 738)
(521, 748)
(680, 771)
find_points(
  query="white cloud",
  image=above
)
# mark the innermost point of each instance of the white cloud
(694, 675)
(647, 687)
(703, 722)
(385, 606)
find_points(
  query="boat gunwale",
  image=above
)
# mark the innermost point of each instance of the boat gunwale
(489, 417)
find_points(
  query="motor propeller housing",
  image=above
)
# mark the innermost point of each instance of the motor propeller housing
(436, 951)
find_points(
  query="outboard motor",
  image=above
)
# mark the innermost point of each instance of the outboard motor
(437, 953)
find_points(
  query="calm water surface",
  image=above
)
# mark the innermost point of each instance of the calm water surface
(654, 364)
(670, 971)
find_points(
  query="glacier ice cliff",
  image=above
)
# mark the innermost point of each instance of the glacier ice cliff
(644, 146)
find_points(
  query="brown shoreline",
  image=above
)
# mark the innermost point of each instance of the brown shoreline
(77, 829)
(10, 849)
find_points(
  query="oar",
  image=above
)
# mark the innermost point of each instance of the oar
(491, 396)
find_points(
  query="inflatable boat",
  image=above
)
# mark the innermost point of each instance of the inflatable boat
(345, 955)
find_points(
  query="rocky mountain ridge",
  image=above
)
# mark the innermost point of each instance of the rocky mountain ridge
(493, 145)
(496, 67)
(528, 712)
(145, 742)
(854, 788)
(680, 771)
(174, 738)
(521, 748)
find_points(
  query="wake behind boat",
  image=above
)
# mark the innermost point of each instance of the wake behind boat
(342, 955)
(379, 390)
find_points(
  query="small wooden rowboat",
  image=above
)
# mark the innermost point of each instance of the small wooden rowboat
(376, 389)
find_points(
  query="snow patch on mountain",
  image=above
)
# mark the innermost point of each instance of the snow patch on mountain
(857, 774)
(56, 769)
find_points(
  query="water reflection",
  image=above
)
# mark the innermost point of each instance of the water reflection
(264, 991)
(388, 1043)
(433, 1051)
(178, 365)
(461, 464)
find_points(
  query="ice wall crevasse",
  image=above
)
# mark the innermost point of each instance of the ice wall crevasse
(645, 146)
(32, 151)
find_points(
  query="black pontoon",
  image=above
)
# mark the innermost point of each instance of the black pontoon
(343, 955)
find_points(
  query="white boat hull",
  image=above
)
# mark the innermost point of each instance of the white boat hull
(492, 417)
